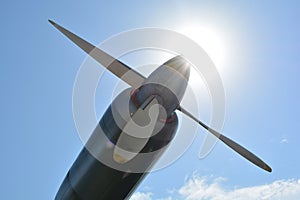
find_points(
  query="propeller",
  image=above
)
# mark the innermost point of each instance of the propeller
(135, 79)
(233, 145)
(118, 68)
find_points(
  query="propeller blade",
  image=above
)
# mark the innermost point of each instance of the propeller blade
(235, 146)
(121, 70)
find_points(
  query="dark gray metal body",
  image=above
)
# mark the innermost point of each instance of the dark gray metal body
(96, 174)
(90, 179)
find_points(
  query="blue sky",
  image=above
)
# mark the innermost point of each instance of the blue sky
(259, 69)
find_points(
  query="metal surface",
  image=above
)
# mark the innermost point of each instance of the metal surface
(90, 179)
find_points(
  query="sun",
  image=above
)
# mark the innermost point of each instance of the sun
(210, 40)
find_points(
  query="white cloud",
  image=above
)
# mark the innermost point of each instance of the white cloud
(167, 198)
(200, 189)
(203, 188)
(284, 140)
(141, 196)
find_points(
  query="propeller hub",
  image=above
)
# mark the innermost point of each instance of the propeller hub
(169, 81)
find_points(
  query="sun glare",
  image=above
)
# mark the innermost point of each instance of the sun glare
(211, 41)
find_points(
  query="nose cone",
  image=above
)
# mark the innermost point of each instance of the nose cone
(174, 75)
(180, 66)
(169, 81)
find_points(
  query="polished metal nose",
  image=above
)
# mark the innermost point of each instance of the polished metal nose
(169, 81)
(180, 65)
